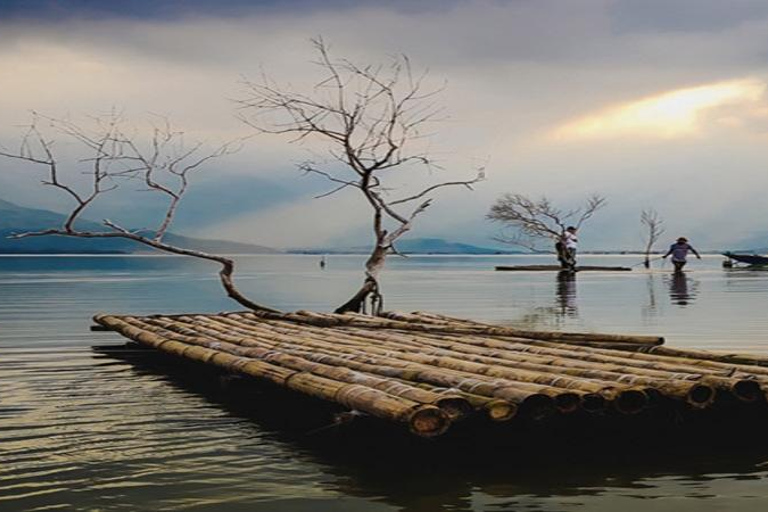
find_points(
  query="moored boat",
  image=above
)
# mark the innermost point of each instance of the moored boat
(749, 259)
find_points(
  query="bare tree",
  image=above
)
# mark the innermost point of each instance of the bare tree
(370, 118)
(531, 221)
(653, 224)
(112, 159)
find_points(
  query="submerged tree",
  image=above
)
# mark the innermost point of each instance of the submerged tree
(653, 229)
(112, 159)
(526, 222)
(370, 119)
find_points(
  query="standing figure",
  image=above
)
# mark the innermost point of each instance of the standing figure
(567, 249)
(679, 251)
(322, 262)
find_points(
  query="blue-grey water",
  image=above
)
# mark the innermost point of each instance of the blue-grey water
(83, 430)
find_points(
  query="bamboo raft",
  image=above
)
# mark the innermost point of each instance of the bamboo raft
(558, 268)
(428, 372)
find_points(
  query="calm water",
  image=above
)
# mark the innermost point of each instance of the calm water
(84, 430)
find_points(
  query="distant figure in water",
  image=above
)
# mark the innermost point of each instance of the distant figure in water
(322, 262)
(566, 249)
(679, 251)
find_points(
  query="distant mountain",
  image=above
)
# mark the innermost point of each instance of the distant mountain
(17, 219)
(413, 246)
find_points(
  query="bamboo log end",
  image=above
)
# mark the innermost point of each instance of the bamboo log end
(567, 403)
(428, 421)
(700, 396)
(747, 390)
(537, 406)
(630, 401)
(500, 410)
(455, 407)
(593, 402)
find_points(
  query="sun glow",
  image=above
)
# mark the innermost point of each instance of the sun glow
(667, 115)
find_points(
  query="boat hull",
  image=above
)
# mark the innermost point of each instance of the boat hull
(749, 259)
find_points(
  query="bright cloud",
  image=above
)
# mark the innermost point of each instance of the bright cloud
(668, 115)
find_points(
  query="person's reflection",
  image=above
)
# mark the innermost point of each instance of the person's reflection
(680, 290)
(566, 293)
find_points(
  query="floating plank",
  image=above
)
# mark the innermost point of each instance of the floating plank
(557, 268)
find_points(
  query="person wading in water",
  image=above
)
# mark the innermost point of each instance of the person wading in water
(679, 251)
(566, 249)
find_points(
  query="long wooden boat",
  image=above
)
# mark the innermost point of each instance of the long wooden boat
(749, 259)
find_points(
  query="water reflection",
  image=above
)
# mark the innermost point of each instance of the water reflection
(566, 293)
(376, 468)
(650, 309)
(682, 290)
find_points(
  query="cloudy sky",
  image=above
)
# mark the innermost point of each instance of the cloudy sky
(654, 103)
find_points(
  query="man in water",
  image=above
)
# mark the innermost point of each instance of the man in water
(679, 251)
(569, 244)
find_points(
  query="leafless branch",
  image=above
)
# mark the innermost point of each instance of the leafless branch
(111, 158)
(370, 117)
(532, 220)
(653, 224)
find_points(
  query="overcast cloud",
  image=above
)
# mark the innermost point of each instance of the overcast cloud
(654, 104)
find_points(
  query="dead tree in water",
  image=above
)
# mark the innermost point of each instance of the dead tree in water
(652, 222)
(111, 159)
(370, 117)
(534, 220)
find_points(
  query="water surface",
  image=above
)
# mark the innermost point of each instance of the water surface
(84, 430)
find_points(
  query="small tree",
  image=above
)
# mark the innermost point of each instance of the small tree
(526, 222)
(653, 229)
(371, 118)
(112, 159)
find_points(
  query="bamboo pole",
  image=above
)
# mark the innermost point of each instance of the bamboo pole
(679, 386)
(536, 401)
(631, 398)
(423, 420)
(454, 406)
(745, 389)
(334, 320)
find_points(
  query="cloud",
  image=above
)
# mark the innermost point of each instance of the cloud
(670, 114)
(654, 105)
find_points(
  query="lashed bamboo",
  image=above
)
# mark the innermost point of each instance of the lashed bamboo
(423, 420)
(535, 400)
(629, 400)
(494, 408)
(744, 378)
(333, 320)
(744, 386)
(696, 394)
(497, 409)
(454, 405)
(482, 366)
(746, 389)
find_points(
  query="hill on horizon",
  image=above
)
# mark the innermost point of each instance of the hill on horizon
(17, 219)
(413, 246)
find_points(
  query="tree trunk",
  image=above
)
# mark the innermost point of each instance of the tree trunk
(370, 287)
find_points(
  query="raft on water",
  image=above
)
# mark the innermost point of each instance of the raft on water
(558, 268)
(429, 372)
